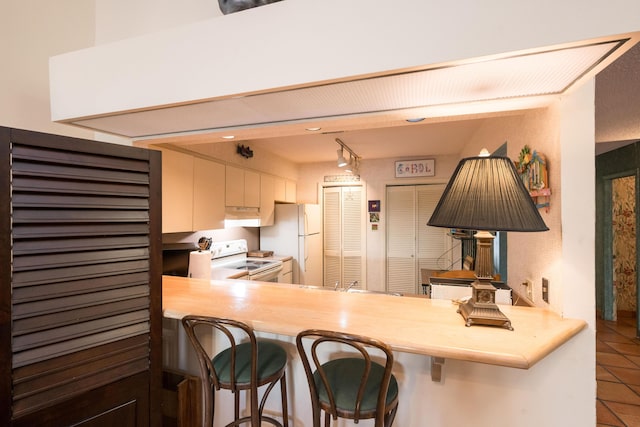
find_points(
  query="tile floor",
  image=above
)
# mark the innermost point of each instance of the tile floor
(618, 373)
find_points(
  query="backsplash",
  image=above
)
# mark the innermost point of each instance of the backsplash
(250, 234)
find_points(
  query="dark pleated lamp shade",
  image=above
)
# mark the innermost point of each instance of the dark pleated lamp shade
(486, 193)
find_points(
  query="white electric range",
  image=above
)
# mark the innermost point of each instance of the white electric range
(232, 254)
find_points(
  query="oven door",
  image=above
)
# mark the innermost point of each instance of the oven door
(270, 275)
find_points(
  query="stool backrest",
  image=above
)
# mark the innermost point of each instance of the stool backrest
(362, 346)
(207, 372)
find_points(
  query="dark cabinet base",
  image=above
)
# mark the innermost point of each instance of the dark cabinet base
(123, 403)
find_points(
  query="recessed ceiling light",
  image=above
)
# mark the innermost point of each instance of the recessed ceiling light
(416, 120)
(228, 137)
(313, 129)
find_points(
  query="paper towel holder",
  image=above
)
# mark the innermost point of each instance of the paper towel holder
(204, 243)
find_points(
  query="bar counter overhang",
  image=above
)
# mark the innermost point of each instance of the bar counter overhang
(408, 324)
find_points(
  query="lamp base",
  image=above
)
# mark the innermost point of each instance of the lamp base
(481, 309)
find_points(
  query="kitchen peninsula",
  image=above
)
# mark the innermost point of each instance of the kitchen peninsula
(418, 329)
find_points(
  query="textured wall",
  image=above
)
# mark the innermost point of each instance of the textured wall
(624, 244)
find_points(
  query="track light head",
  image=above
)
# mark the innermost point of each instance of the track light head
(341, 160)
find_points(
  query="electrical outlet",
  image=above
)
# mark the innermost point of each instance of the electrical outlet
(529, 289)
(545, 290)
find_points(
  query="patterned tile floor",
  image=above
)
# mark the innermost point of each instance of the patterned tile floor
(618, 373)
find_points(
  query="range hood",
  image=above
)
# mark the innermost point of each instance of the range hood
(236, 216)
(235, 73)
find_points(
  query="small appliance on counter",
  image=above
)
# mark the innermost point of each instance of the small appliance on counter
(175, 258)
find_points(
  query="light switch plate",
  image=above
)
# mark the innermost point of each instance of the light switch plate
(545, 290)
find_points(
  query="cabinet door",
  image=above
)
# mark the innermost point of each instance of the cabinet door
(290, 192)
(177, 192)
(208, 194)
(280, 192)
(234, 186)
(251, 189)
(267, 200)
(286, 275)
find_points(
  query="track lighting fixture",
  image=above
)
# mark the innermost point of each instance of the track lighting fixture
(341, 160)
(352, 164)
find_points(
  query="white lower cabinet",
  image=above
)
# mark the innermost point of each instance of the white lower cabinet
(286, 274)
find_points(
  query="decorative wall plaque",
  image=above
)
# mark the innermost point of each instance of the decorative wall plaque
(414, 168)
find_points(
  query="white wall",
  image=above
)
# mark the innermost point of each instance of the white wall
(31, 32)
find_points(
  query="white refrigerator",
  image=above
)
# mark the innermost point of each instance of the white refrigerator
(297, 232)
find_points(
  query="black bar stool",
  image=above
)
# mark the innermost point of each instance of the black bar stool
(352, 386)
(243, 366)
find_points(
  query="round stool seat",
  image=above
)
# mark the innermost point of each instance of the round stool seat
(344, 376)
(272, 358)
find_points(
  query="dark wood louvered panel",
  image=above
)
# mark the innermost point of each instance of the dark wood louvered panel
(36, 277)
(82, 262)
(50, 290)
(42, 261)
(81, 244)
(26, 230)
(119, 403)
(42, 384)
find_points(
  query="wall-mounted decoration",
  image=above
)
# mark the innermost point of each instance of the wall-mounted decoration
(415, 168)
(532, 168)
(374, 205)
(374, 217)
(341, 178)
(245, 152)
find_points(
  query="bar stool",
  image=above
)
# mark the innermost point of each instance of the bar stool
(243, 366)
(352, 386)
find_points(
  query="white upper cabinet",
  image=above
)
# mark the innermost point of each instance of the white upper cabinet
(177, 192)
(208, 194)
(242, 187)
(285, 190)
(192, 193)
(267, 200)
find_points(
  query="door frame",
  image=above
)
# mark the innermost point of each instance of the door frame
(620, 163)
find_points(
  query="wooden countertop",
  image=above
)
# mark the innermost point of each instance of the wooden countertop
(408, 324)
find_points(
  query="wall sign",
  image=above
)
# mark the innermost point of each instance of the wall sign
(413, 168)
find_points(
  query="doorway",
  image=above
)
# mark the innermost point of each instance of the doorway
(617, 194)
(412, 245)
(623, 224)
(343, 236)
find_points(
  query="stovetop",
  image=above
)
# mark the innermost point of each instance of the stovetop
(249, 264)
(232, 254)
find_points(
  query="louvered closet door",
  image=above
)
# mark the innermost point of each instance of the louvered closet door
(435, 251)
(332, 236)
(343, 235)
(401, 242)
(411, 244)
(85, 285)
(352, 234)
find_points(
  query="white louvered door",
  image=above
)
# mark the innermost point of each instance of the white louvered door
(401, 245)
(343, 233)
(411, 244)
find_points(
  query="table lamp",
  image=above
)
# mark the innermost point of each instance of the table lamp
(486, 194)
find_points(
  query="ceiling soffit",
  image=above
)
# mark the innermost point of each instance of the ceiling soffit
(506, 83)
